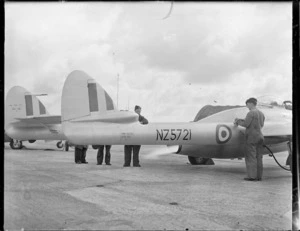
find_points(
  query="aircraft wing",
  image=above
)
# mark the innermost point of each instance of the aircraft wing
(277, 129)
(277, 132)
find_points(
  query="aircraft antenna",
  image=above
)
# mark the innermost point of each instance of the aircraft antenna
(118, 91)
(128, 104)
(114, 60)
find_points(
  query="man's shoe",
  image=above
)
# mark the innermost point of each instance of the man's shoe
(249, 179)
(85, 162)
(78, 162)
(125, 165)
(137, 165)
(259, 179)
(99, 164)
(108, 164)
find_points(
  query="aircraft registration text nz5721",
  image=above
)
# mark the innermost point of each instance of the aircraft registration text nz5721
(173, 134)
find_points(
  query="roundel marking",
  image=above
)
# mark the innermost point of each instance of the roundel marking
(223, 133)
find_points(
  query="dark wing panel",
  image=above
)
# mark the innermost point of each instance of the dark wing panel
(277, 139)
(209, 110)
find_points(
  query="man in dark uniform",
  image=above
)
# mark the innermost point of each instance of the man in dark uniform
(83, 154)
(135, 149)
(80, 154)
(100, 154)
(77, 155)
(253, 123)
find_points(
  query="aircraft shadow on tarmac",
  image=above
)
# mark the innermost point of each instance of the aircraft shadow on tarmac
(225, 167)
(42, 149)
(34, 149)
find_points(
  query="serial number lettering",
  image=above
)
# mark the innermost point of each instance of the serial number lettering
(173, 134)
(126, 135)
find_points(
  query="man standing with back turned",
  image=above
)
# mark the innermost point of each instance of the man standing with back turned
(128, 149)
(253, 123)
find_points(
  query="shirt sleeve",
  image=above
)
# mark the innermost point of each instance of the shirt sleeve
(246, 123)
(145, 121)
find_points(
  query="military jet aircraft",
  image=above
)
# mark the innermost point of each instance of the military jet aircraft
(89, 117)
(26, 119)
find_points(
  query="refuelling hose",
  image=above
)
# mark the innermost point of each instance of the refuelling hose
(272, 154)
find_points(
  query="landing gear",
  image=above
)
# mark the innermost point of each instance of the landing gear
(289, 159)
(16, 144)
(60, 144)
(67, 146)
(200, 161)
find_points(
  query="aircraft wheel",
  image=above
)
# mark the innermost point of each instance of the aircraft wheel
(200, 161)
(16, 144)
(66, 146)
(60, 144)
(31, 141)
(195, 160)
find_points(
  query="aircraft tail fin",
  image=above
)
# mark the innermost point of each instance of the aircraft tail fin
(20, 103)
(84, 99)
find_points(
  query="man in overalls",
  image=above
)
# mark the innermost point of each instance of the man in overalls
(253, 123)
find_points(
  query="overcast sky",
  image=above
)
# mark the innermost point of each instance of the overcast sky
(171, 59)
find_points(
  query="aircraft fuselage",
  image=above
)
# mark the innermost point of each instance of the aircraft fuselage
(209, 140)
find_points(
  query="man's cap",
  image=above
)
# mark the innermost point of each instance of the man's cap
(137, 107)
(251, 100)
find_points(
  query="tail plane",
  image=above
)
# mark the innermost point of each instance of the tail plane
(26, 118)
(21, 104)
(83, 99)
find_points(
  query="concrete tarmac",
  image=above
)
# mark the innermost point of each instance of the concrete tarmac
(45, 189)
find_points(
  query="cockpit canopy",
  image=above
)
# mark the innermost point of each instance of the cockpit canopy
(273, 101)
